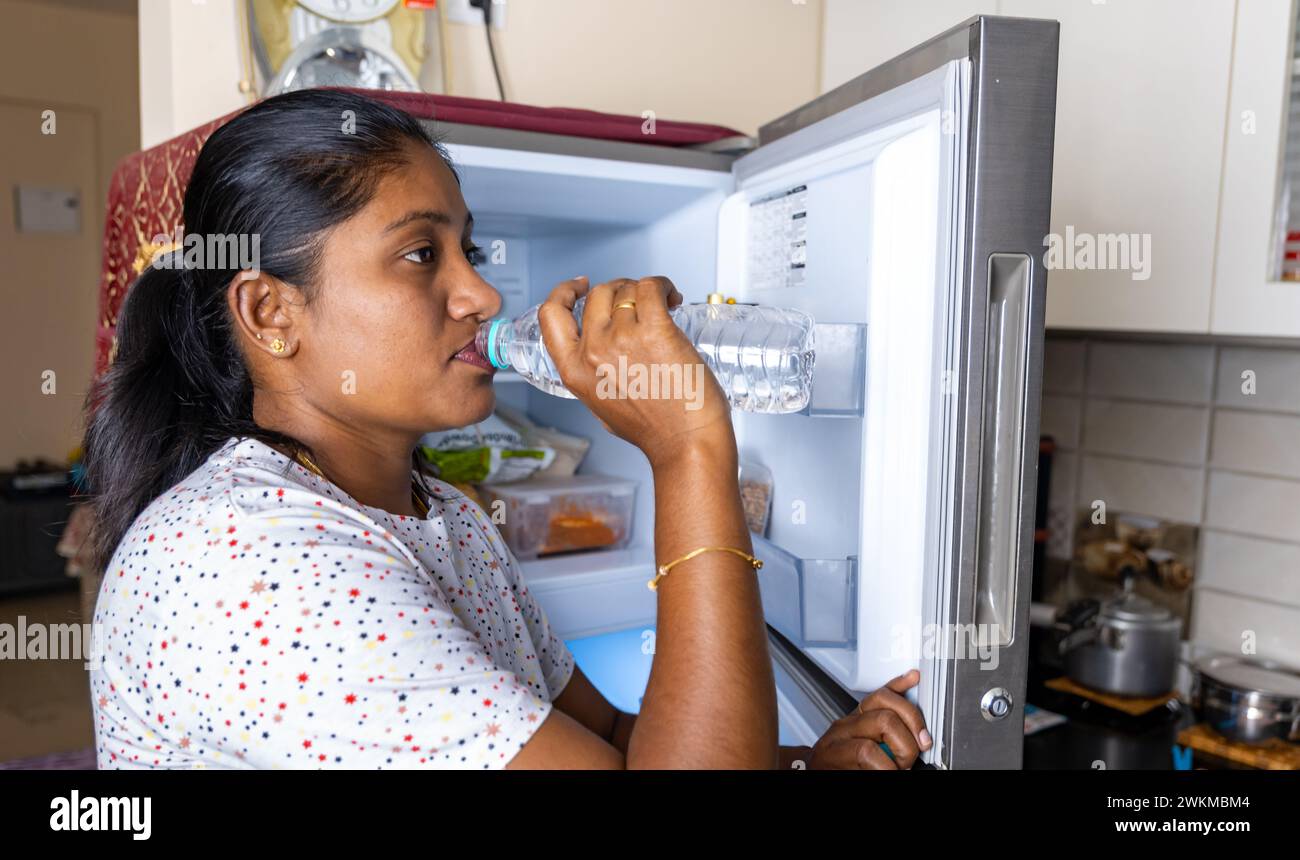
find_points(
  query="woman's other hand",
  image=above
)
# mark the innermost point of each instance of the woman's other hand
(628, 319)
(886, 716)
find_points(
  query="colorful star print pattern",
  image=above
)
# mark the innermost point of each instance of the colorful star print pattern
(257, 616)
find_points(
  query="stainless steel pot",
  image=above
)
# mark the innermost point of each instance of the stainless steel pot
(1247, 700)
(1127, 646)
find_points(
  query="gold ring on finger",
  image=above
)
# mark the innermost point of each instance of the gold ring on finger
(627, 304)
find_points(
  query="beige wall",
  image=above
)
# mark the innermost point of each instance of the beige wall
(80, 63)
(74, 55)
(731, 62)
(861, 35)
(190, 65)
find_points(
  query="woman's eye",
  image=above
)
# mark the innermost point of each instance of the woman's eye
(420, 255)
(475, 255)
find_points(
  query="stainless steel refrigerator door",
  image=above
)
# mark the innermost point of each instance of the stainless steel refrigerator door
(980, 531)
(1013, 117)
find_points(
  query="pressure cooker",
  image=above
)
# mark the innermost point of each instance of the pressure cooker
(1125, 646)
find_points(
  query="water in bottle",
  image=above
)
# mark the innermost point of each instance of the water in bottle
(762, 356)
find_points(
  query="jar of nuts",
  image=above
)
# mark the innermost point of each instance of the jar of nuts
(756, 495)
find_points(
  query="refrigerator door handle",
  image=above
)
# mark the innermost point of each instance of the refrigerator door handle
(1006, 380)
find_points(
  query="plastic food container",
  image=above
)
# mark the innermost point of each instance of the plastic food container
(545, 516)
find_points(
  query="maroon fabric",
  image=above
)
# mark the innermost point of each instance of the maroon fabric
(144, 200)
(569, 121)
(147, 188)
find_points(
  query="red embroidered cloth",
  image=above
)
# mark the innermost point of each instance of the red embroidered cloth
(147, 189)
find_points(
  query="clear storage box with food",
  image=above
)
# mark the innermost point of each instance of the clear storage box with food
(552, 515)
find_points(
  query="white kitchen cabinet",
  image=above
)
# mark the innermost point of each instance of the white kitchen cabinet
(1141, 103)
(1247, 299)
(1142, 100)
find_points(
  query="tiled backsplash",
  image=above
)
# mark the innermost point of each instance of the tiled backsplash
(1201, 433)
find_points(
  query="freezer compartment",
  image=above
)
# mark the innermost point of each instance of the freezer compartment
(811, 601)
(522, 193)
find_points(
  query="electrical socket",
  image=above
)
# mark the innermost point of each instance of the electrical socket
(460, 12)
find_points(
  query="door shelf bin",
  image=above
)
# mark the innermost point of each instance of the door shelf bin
(839, 371)
(812, 601)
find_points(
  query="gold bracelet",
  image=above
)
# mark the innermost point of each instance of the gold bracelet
(653, 584)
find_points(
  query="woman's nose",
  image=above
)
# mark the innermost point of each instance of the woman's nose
(473, 296)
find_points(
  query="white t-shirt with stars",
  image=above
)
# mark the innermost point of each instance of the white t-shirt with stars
(256, 615)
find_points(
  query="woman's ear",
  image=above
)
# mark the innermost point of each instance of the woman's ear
(267, 311)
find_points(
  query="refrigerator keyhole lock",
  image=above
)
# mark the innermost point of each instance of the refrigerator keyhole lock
(996, 704)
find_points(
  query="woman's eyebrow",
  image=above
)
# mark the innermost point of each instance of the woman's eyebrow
(433, 216)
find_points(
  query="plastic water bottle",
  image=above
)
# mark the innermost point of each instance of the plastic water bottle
(762, 356)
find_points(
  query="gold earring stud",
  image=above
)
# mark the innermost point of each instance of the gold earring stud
(277, 346)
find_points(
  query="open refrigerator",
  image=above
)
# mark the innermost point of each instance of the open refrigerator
(906, 212)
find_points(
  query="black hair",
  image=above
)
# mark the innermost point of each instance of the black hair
(286, 170)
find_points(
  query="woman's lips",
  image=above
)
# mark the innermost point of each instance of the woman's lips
(469, 355)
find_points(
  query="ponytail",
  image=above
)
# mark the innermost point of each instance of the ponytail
(177, 390)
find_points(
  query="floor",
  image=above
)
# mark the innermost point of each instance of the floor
(44, 704)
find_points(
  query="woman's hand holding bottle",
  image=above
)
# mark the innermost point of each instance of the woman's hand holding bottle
(626, 331)
(711, 699)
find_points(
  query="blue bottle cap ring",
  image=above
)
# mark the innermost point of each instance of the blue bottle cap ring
(492, 346)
